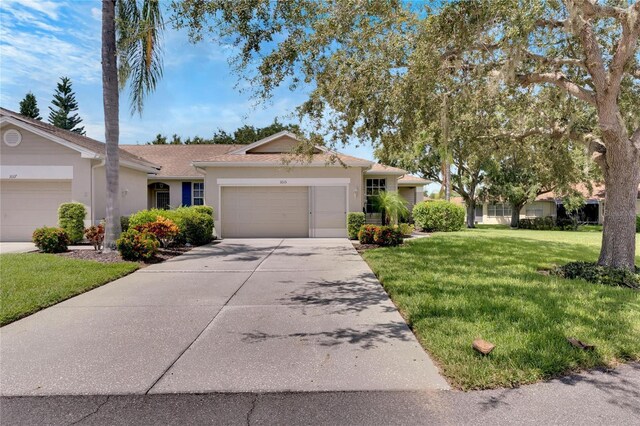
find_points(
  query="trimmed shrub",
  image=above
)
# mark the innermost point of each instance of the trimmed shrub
(595, 273)
(637, 223)
(198, 228)
(355, 220)
(387, 236)
(195, 227)
(566, 224)
(438, 216)
(164, 229)
(538, 223)
(366, 233)
(406, 229)
(136, 245)
(124, 223)
(51, 240)
(203, 209)
(71, 218)
(95, 235)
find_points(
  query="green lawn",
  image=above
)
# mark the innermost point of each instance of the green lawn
(484, 283)
(32, 281)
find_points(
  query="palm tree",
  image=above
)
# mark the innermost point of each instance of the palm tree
(392, 206)
(130, 54)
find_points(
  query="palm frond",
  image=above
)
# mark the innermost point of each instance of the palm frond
(140, 27)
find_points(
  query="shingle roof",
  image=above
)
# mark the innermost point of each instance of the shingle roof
(382, 169)
(285, 159)
(410, 179)
(76, 139)
(597, 192)
(176, 159)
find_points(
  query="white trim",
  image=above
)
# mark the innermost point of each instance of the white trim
(273, 165)
(283, 181)
(36, 172)
(84, 152)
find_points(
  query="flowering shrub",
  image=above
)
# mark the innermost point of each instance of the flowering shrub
(51, 240)
(387, 236)
(95, 235)
(406, 229)
(164, 229)
(136, 245)
(365, 235)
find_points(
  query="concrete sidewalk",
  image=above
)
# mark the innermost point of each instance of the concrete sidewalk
(590, 398)
(238, 316)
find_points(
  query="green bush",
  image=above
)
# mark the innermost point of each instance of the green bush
(71, 218)
(197, 227)
(124, 223)
(135, 245)
(51, 240)
(147, 216)
(438, 216)
(638, 223)
(387, 236)
(406, 229)
(366, 233)
(355, 220)
(208, 210)
(538, 223)
(595, 273)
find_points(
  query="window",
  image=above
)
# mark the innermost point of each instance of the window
(374, 187)
(534, 211)
(197, 194)
(479, 210)
(499, 210)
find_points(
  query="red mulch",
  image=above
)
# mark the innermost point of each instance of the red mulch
(114, 257)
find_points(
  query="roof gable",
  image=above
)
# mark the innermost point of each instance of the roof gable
(283, 142)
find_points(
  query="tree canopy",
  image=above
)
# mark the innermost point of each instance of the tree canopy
(243, 135)
(29, 107)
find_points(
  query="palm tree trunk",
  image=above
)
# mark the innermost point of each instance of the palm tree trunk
(111, 122)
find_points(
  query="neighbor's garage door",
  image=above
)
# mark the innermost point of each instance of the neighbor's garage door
(27, 205)
(265, 212)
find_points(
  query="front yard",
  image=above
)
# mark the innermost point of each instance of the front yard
(487, 283)
(32, 281)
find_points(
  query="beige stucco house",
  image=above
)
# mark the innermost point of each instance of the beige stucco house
(42, 166)
(256, 190)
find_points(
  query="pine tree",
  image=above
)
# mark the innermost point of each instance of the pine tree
(64, 101)
(29, 107)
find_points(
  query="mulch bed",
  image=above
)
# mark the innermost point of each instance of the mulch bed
(361, 248)
(114, 257)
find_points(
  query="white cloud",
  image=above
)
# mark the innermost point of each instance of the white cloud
(48, 8)
(96, 13)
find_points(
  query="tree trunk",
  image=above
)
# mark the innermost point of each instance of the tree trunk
(622, 175)
(515, 215)
(471, 213)
(111, 122)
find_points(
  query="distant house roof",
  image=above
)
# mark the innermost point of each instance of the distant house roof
(277, 159)
(84, 143)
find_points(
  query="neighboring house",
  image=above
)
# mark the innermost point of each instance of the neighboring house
(42, 166)
(253, 191)
(547, 205)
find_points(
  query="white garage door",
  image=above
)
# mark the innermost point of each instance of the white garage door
(329, 211)
(25, 206)
(265, 212)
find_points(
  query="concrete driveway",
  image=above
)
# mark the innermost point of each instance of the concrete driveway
(237, 316)
(17, 247)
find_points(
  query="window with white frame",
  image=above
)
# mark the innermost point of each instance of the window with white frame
(374, 187)
(534, 210)
(499, 210)
(197, 194)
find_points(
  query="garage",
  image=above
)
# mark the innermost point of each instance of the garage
(27, 205)
(265, 212)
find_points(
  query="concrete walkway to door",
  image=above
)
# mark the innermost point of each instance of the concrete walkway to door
(238, 316)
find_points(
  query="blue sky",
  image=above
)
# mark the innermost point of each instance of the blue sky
(42, 40)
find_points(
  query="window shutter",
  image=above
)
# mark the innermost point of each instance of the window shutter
(186, 193)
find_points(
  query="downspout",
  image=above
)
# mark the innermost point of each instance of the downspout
(93, 189)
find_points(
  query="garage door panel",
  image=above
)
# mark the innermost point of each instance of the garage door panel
(25, 206)
(265, 212)
(329, 211)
